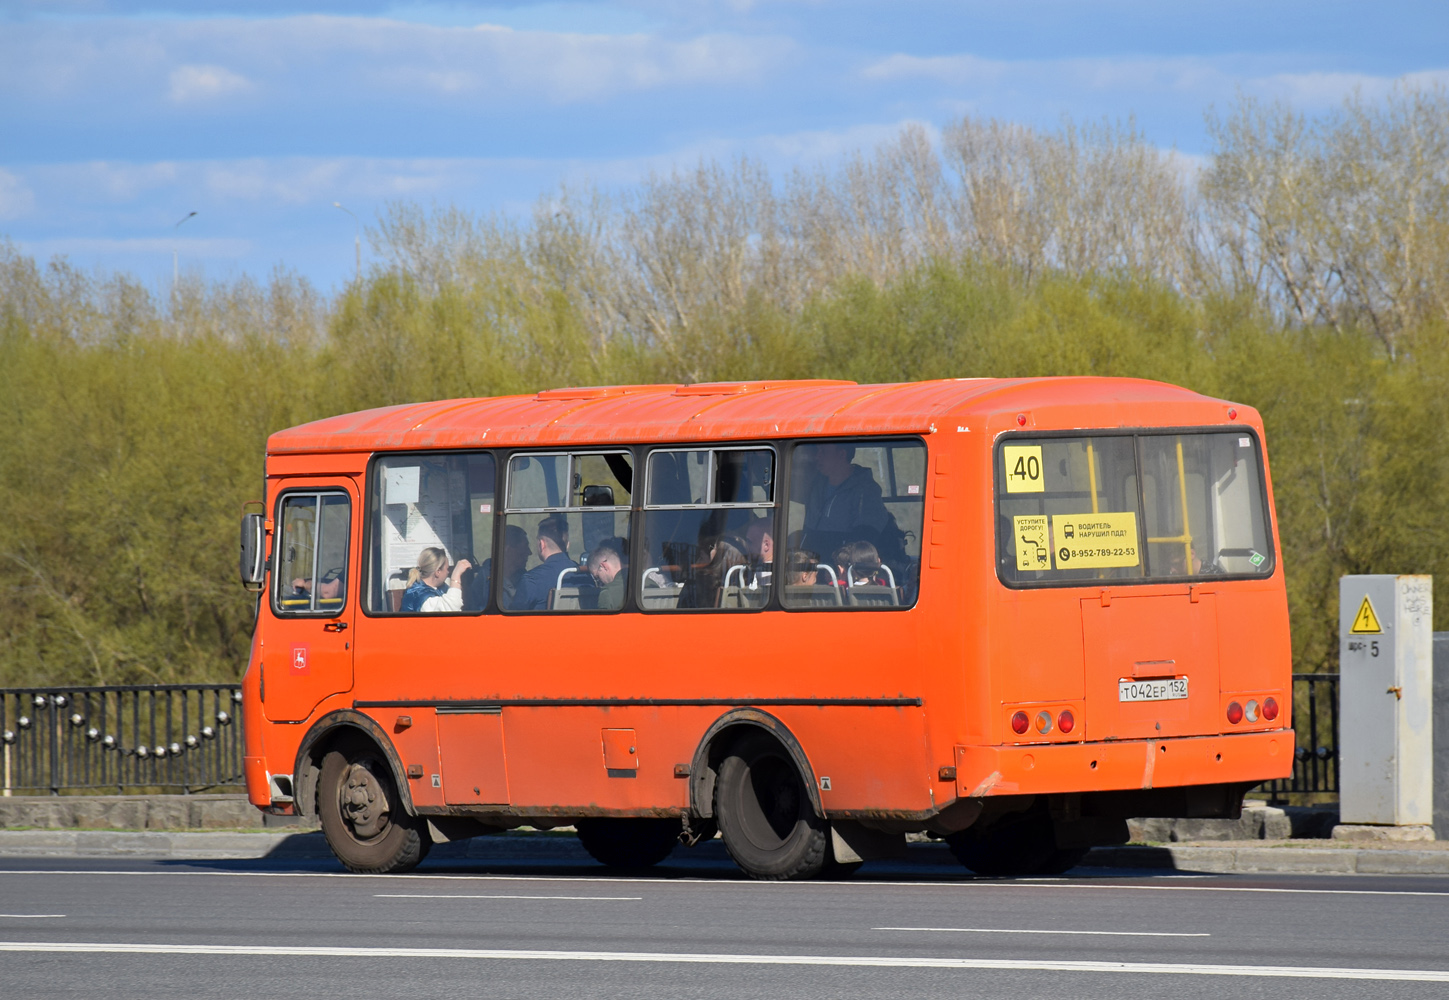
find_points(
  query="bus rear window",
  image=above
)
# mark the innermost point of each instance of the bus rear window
(1130, 507)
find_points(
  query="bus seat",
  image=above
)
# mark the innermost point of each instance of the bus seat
(742, 597)
(659, 597)
(397, 585)
(873, 595)
(575, 577)
(564, 599)
(819, 595)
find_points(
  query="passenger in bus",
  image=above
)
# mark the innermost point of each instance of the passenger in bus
(858, 564)
(551, 546)
(704, 587)
(1178, 562)
(606, 566)
(845, 502)
(802, 568)
(761, 542)
(515, 561)
(430, 587)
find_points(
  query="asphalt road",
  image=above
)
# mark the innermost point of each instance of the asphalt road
(539, 919)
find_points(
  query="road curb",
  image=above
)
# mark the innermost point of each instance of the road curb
(1291, 860)
(184, 844)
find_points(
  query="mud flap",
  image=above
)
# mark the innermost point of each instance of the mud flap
(853, 842)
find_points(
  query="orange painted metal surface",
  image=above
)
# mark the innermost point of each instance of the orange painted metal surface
(944, 677)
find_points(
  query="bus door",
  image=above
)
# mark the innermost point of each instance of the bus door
(307, 647)
(1152, 664)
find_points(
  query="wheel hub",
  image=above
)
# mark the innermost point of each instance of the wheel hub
(364, 802)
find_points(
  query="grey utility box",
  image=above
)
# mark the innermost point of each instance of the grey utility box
(1386, 699)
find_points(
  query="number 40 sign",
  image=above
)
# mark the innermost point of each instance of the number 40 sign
(1023, 468)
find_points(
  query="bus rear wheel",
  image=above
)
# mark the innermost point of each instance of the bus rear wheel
(764, 813)
(362, 815)
(629, 842)
(1023, 844)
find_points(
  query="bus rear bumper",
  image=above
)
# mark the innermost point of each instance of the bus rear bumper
(1128, 764)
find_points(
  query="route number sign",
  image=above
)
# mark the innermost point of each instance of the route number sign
(1023, 468)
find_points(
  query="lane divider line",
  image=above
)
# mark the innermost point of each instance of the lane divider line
(30, 916)
(450, 895)
(1018, 930)
(845, 961)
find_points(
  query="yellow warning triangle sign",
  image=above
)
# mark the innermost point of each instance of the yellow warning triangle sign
(1365, 620)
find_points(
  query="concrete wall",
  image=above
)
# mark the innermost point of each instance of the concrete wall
(1441, 735)
(135, 812)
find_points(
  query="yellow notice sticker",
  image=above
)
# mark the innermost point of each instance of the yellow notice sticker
(1095, 541)
(1023, 468)
(1366, 622)
(1033, 544)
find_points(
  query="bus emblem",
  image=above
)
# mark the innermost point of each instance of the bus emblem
(299, 660)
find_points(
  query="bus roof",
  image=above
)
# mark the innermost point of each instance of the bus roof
(712, 411)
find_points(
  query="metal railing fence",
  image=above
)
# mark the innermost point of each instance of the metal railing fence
(187, 738)
(1315, 727)
(121, 738)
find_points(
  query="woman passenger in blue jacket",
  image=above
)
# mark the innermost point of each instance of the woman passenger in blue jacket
(430, 587)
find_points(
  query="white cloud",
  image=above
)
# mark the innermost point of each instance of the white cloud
(340, 61)
(960, 69)
(1185, 73)
(1202, 78)
(1314, 91)
(567, 68)
(16, 199)
(190, 84)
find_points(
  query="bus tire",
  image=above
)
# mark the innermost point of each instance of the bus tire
(362, 815)
(629, 842)
(1024, 845)
(764, 813)
(1063, 859)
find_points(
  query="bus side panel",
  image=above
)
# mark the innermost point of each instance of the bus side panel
(1039, 657)
(578, 757)
(884, 766)
(414, 733)
(1253, 639)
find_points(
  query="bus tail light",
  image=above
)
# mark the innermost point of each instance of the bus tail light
(1270, 709)
(1235, 712)
(1020, 723)
(1251, 710)
(1066, 721)
(1043, 722)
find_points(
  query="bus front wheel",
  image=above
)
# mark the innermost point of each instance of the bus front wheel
(764, 813)
(362, 816)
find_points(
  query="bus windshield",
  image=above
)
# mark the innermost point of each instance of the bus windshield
(1130, 507)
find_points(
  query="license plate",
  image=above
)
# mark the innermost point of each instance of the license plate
(1163, 690)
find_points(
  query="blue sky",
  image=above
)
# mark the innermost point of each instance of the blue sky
(119, 118)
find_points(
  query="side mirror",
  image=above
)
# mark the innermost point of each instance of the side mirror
(253, 550)
(598, 496)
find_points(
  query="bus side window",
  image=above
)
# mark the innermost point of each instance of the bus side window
(429, 510)
(709, 526)
(311, 571)
(856, 509)
(566, 532)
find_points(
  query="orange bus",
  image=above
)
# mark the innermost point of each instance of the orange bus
(811, 616)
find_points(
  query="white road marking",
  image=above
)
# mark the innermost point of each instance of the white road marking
(745, 883)
(1019, 930)
(30, 916)
(499, 954)
(450, 895)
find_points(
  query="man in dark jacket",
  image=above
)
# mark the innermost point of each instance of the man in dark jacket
(844, 503)
(552, 546)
